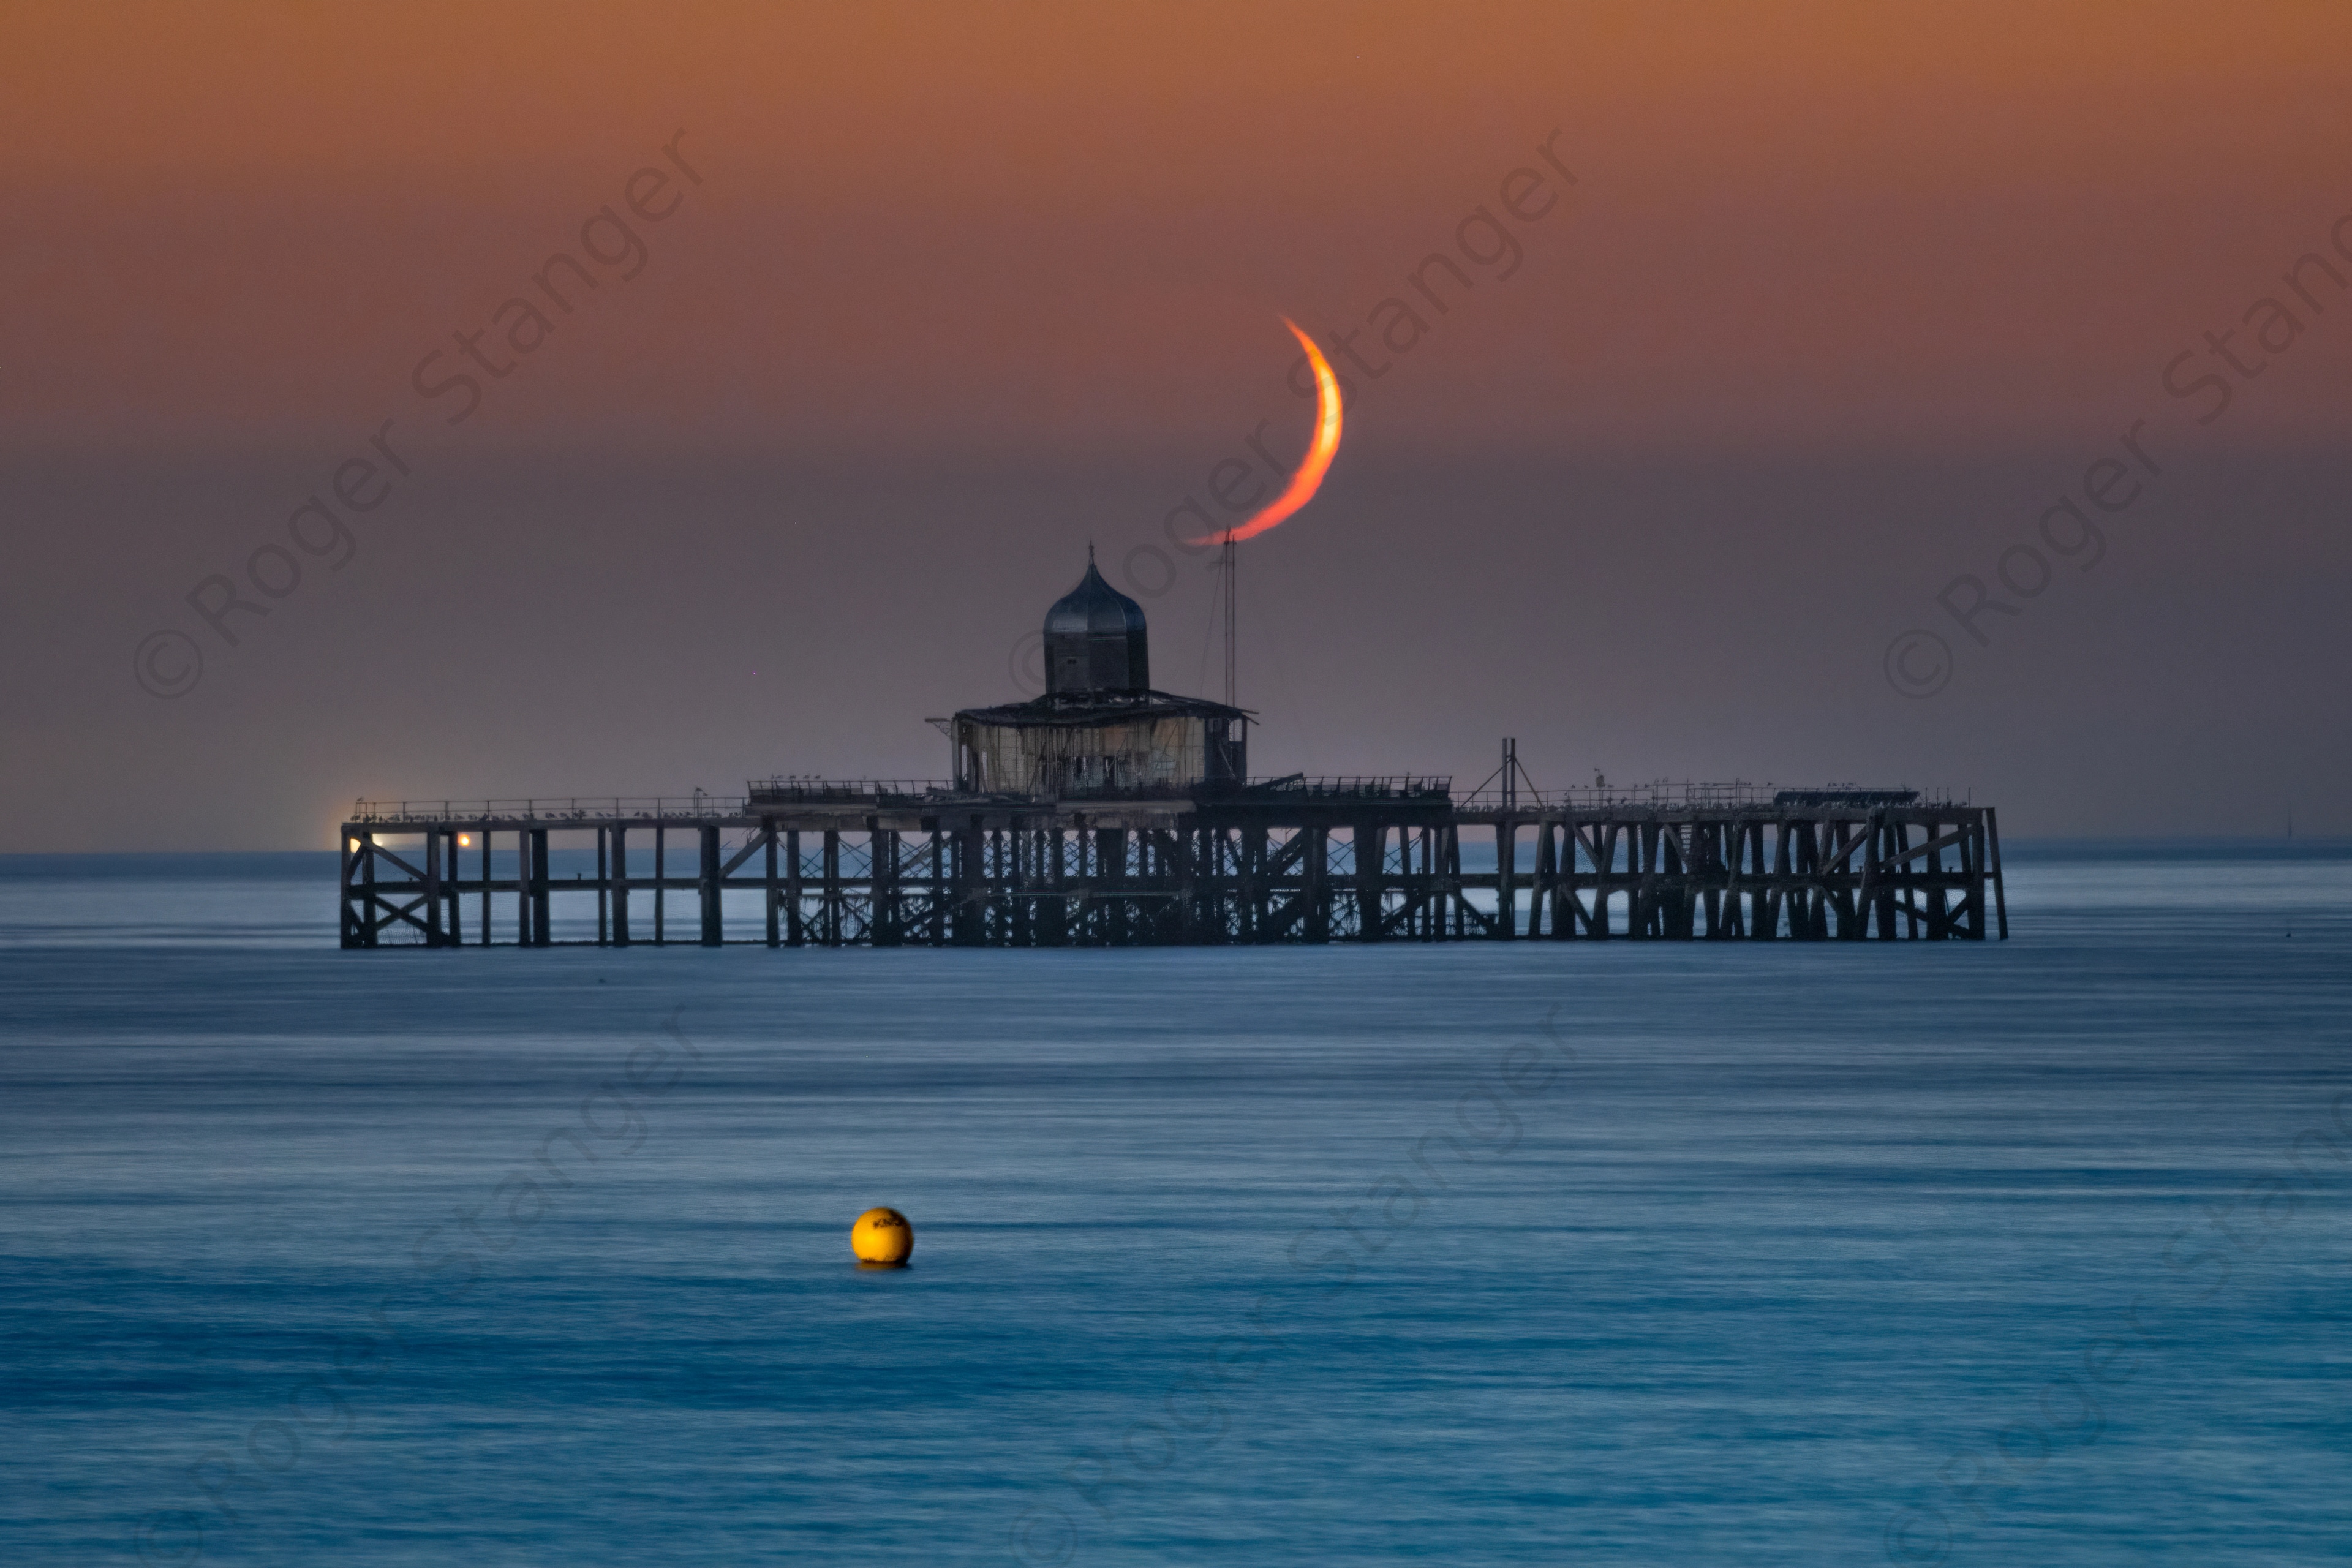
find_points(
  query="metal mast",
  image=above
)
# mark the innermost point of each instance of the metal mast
(1227, 566)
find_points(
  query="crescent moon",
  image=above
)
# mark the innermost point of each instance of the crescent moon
(1309, 476)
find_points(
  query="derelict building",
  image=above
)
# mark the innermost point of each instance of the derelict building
(1100, 730)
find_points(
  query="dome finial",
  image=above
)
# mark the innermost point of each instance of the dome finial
(1095, 638)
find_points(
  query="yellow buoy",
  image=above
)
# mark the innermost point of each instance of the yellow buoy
(882, 1238)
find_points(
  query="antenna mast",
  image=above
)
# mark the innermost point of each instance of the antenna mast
(1227, 566)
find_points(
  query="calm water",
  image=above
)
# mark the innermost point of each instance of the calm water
(1756, 1254)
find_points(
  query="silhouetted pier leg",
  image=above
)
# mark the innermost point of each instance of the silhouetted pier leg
(1775, 897)
(1730, 847)
(1756, 893)
(539, 922)
(965, 918)
(620, 885)
(1046, 926)
(828, 899)
(1507, 880)
(794, 933)
(1939, 896)
(943, 881)
(661, 884)
(1903, 875)
(1315, 872)
(1641, 864)
(707, 886)
(431, 880)
(774, 891)
(1571, 912)
(1117, 873)
(1836, 868)
(1539, 884)
(1454, 922)
(878, 890)
(1604, 873)
(452, 886)
(1976, 866)
(1187, 847)
(1877, 891)
(356, 922)
(2000, 893)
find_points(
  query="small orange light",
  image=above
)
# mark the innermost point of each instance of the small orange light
(465, 840)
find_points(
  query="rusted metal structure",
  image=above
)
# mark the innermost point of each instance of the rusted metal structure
(1106, 813)
(1290, 860)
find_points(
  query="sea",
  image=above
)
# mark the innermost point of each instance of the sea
(2030, 1252)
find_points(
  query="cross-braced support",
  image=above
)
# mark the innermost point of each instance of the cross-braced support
(991, 873)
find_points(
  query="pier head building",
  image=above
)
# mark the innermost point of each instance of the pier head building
(1100, 730)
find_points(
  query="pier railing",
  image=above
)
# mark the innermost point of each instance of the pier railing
(1436, 789)
(791, 791)
(569, 808)
(1669, 794)
(1405, 788)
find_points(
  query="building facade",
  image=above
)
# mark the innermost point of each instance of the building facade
(1100, 730)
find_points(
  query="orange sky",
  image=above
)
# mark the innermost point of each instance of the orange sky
(1059, 226)
(1842, 296)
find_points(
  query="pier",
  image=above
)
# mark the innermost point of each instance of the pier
(801, 863)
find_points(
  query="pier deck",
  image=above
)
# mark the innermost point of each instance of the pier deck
(810, 863)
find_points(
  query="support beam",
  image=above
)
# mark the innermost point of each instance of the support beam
(620, 885)
(774, 892)
(1371, 842)
(431, 880)
(1507, 871)
(795, 932)
(538, 922)
(708, 885)
(1999, 892)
